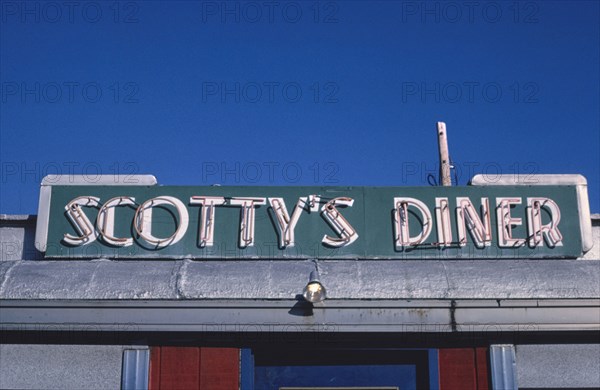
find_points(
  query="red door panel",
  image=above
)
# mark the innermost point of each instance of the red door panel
(194, 368)
(463, 369)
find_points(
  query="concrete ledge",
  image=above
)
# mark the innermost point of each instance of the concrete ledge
(17, 217)
(431, 316)
(280, 279)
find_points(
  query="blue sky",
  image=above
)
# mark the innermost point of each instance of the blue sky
(296, 93)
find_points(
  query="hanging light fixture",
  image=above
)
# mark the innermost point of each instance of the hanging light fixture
(314, 290)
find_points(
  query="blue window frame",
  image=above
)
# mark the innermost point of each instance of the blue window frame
(272, 369)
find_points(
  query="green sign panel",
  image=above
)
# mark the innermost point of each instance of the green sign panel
(177, 222)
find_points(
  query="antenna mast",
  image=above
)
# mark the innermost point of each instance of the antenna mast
(444, 155)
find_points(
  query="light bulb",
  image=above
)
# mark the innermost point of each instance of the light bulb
(314, 292)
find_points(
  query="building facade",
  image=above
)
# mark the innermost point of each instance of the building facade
(489, 286)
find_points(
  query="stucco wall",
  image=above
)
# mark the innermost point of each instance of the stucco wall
(558, 366)
(32, 366)
(594, 253)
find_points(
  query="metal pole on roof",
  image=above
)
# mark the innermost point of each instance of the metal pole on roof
(444, 155)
